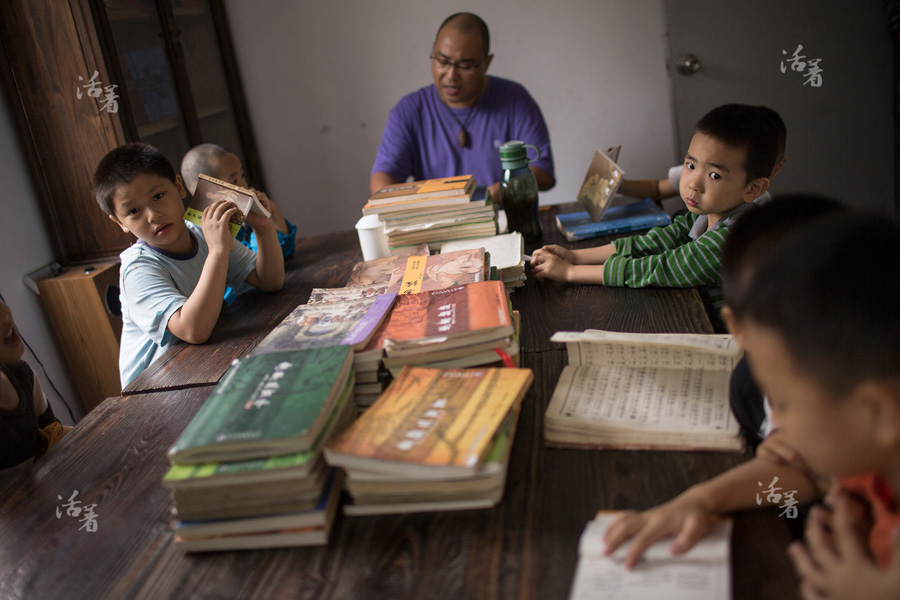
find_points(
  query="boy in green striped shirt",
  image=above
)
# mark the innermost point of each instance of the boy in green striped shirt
(727, 167)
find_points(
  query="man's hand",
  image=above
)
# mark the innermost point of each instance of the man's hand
(835, 562)
(215, 225)
(684, 517)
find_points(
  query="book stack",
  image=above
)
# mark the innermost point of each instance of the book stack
(248, 470)
(462, 326)
(334, 317)
(506, 254)
(644, 391)
(435, 440)
(407, 275)
(432, 212)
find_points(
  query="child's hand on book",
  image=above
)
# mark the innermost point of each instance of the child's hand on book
(215, 225)
(277, 218)
(684, 517)
(835, 562)
(564, 253)
(261, 222)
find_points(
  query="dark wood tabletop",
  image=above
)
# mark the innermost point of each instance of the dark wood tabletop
(326, 261)
(524, 548)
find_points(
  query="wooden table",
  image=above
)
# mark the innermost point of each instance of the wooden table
(524, 548)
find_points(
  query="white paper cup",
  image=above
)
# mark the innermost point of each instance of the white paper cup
(372, 240)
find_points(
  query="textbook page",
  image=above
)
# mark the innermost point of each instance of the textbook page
(690, 400)
(673, 351)
(704, 572)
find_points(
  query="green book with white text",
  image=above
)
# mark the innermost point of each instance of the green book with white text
(266, 405)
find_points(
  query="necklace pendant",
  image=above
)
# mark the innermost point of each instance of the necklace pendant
(463, 138)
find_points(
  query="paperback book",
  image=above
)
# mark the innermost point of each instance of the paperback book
(701, 573)
(431, 423)
(461, 187)
(644, 391)
(601, 182)
(210, 190)
(351, 323)
(636, 216)
(266, 405)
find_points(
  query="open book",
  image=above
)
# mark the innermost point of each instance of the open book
(704, 572)
(210, 189)
(644, 391)
(601, 182)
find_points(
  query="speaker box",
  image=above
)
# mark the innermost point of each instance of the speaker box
(83, 306)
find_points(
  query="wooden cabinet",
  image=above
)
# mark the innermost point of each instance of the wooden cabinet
(176, 86)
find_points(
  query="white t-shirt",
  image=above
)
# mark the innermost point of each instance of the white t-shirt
(153, 285)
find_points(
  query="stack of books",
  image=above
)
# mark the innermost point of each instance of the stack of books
(406, 275)
(435, 440)
(507, 255)
(462, 326)
(248, 471)
(433, 212)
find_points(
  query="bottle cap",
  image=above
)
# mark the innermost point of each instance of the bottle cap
(514, 154)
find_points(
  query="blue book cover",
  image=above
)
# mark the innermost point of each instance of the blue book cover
(617, 219)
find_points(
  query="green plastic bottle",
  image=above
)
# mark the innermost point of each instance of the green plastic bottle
(519, 191)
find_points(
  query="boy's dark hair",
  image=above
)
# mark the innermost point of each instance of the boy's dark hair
(831, 290)
(775, 121)
(742, 126)
(465, 23)
(756, 231)
(121, 165)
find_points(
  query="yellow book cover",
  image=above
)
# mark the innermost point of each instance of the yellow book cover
(431, 188)
(431, 422)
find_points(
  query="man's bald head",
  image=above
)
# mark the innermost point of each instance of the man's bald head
(467, 23)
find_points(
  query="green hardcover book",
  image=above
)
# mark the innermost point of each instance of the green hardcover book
(265, 406)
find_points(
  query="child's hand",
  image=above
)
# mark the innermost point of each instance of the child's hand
(774, 449)
(683, 517)
(277, 218)
(835, 563)
(564, 253)
(257, 221)
(550, 266)
(215, 225)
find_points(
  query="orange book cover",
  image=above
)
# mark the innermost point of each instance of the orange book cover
(444, 313)
(432, 418)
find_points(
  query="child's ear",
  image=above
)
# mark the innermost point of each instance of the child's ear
(756, 189)
(881, 401)
(117, 222)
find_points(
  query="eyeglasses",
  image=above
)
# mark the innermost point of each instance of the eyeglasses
(464, 66)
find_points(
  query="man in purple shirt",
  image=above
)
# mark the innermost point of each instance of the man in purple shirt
(456, 126)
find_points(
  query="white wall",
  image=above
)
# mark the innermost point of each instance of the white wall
(25, 247)
(321, 77)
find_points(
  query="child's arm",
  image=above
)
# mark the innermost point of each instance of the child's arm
(269, 272)
(571, 266)
(690, 515)
(659, 189)
(194, 321)
(835, 563)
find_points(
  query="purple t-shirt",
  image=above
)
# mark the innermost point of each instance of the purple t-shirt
(421, 137)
